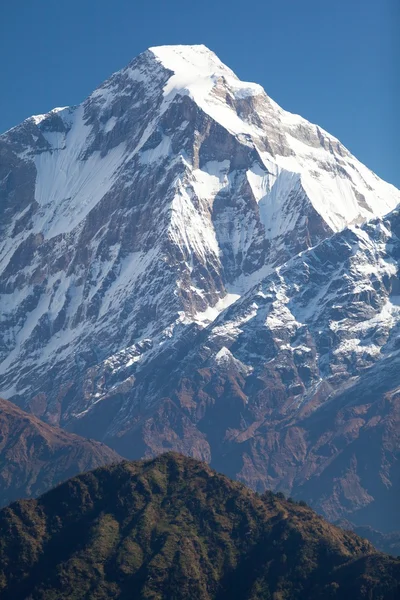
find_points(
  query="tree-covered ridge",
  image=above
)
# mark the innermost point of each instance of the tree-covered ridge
(172, 528)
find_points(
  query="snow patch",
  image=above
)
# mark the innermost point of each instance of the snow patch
(110, 124)
(160, 152)
(212, 312)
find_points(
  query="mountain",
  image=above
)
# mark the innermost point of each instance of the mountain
(35, 456)
(210, 288)
(173, 528)
(295, 387)
(161, 199)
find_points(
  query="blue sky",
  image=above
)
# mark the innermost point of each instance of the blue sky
(337, 62)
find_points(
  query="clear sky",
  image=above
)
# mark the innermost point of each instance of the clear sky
(337, 62)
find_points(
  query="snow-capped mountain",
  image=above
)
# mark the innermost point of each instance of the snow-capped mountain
(130, 222)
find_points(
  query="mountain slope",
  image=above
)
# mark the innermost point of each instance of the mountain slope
(174, 528)
(294, 387)
(34, 456)
(162, 198)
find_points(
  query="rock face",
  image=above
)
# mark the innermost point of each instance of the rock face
(176, 193)
(34, 456)
(173, 528)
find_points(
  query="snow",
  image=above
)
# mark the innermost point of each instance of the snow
(232, 326)
(212, 312)
(51, 301)
(67, 186)
(197, 72)
(162, 151)
(278, 218)
(110, 124)
(25, 331)
(37, 119)
(225, 358)
(260, 181)
(189, 64)
(133, 360)
(130, 269)
(196, 68)
(273, 187)
(223, 355)
(287, 313)
(210, 180)
(335, 196)
(190, 229)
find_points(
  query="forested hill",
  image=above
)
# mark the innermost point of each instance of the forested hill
(173, 528)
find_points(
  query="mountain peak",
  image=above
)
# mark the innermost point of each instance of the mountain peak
(196, 54)
(193, 61)
(197, 72)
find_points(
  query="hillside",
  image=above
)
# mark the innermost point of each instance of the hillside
(35, 456)
(173, 528)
